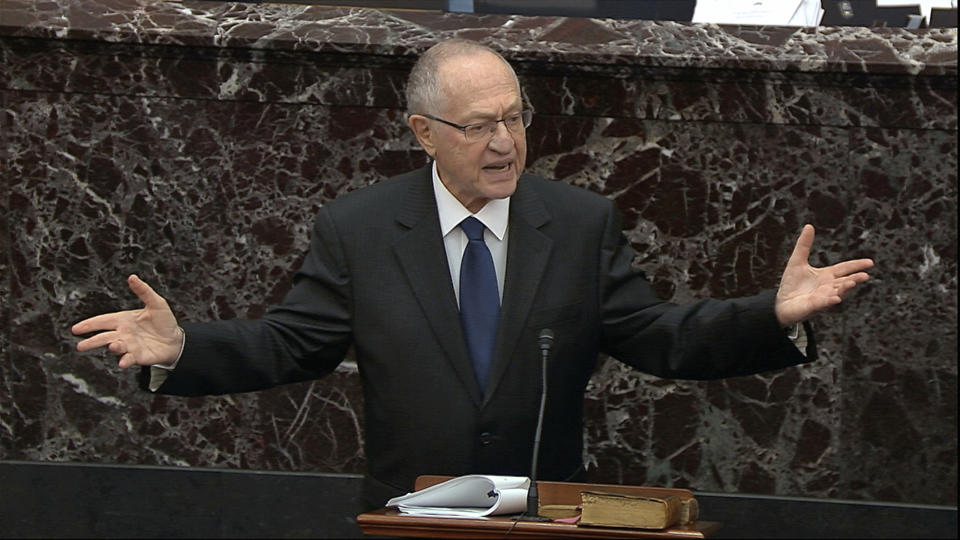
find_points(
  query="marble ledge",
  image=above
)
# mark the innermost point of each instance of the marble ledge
(638, 43)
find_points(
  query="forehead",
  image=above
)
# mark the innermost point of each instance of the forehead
(477, 84)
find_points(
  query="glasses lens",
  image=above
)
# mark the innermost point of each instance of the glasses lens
(485, 130)
(477, 132)
(527, 117)
(514, 122)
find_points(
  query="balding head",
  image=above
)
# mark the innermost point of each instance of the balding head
(425, 90)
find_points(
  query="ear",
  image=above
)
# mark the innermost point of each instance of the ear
(420, 125)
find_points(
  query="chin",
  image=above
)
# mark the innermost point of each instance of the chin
(503, 191)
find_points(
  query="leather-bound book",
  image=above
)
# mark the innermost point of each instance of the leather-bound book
(603, 509)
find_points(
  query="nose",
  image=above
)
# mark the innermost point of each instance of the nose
(502, 140)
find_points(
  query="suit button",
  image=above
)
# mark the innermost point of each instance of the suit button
(486, 438)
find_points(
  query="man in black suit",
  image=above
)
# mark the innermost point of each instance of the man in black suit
(388, 271)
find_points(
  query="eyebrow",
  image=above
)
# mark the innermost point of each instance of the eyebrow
(478, 118)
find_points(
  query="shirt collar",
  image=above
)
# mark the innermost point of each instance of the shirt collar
(494, 215)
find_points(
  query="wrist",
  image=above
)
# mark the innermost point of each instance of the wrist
(182, 338)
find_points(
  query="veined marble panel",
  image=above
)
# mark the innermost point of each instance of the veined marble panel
(570, 40)
(714, 209)
(899, 371)
(205, 202)
(192, 142)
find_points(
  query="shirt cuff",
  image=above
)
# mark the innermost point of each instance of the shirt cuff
(160, 372)
(798, 335)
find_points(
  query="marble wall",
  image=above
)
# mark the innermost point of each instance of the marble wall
(192, 142)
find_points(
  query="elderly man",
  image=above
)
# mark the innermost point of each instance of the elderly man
(443, 278)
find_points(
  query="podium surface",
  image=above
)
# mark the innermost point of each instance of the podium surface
(390, 522)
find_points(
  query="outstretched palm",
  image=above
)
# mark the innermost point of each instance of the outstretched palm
(143, 337)
(805, 290)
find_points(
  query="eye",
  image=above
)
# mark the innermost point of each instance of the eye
(513, 120)
(475, 130)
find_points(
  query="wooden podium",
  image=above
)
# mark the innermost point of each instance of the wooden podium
(389, 522)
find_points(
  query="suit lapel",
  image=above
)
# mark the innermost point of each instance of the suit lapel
(528, 252)
(424, 262)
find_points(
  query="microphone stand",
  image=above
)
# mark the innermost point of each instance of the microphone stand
(533, 497)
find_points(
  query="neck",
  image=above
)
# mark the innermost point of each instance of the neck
(473, 206)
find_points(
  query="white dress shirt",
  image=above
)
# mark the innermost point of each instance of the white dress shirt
(495, 215)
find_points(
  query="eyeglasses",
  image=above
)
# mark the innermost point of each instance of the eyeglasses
(515, 123)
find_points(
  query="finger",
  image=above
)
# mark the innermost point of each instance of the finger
(801, 251)
(847, 268)
(107, 321)
(820, 303)
(97, 341)
(145, 293)
(117, 347)
(127, 360)
(847, 285)
(859, 277)
(833, 299)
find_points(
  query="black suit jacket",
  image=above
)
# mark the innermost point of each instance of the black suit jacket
(376, 277)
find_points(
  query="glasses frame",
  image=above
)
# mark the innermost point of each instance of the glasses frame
(526, 117)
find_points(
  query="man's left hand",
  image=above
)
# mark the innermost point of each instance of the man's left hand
(805, 290)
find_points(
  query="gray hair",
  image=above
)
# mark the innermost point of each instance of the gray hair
(424, 92)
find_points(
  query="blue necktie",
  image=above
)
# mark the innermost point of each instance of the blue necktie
(479, 299)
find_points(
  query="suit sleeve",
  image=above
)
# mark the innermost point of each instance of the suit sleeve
(304, 337)
(707, 339)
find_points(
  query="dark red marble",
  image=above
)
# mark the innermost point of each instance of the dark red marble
(192, 143)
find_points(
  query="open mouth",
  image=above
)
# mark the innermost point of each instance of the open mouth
(498, 168)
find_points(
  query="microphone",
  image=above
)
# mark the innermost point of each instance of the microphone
(545, 341)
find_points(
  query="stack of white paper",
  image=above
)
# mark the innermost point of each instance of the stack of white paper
(759, 12)
(471, 496)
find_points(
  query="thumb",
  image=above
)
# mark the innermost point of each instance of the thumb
(145, 293)
(801, 251)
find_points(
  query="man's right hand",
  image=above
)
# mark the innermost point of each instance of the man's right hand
(142, 337)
